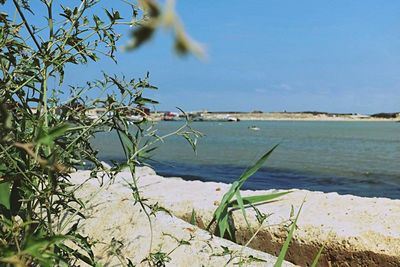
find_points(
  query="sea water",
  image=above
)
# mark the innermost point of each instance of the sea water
(359, 158)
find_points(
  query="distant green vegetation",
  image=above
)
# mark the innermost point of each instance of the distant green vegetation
(386, 115)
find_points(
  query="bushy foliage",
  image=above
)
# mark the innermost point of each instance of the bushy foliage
(45, 130)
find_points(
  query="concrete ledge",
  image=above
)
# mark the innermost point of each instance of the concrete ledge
(356, 231)
(121, 231)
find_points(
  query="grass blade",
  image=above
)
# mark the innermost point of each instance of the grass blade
(257, 199)
(241, 205)
(316, 259)
(223, 223)
(224, 204)
(253, 169)
(285, 246)
(193, 218)
(238, 184)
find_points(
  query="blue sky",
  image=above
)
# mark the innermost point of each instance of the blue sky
(337, 56)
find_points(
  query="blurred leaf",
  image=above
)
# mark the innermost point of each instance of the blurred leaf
(48, 139)
(15, 197)
(140, 36)
(5, 118)
(193, 218)
(184, 45)
(190, 140)
(143, 101)
(150, 7)
(37, 248)
(5, 192)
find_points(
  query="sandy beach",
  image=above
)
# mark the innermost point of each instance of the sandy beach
(283, 116)
(355, 231)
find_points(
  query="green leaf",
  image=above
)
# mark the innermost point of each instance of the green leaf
(316, 259)
(142, 101)
(285, 246)
(140, 36)
(223, 223)
(222, 209)
(193, 218)
(5, 192)
(116, 15)
(15, 198)
(36, 248)
(241, 206)
(192, 142)
(127, 143)
(249, 172)
(251, 200)
(111, 17)
(48, 139)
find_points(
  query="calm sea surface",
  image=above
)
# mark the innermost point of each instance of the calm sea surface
(360, 158)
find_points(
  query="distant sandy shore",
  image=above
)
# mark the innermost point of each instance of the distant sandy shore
(285, 116)
(298, 117)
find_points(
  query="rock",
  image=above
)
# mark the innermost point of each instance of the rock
(356, 231)
(122, 232)
(350, 227)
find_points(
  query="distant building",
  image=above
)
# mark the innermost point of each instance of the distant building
(170, 116)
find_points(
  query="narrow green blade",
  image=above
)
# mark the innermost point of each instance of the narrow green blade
(285, 246)
(257, 199)
(316, 259)
(5, 191)
(240, 203)
(223, 223)
(249, 172)
(193, 218)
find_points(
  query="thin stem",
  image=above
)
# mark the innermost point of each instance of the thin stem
(27, 25)
(50, 18)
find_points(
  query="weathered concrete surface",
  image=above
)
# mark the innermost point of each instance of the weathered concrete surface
(122, 231)
(356, 231)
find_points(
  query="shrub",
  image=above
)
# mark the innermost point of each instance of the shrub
(43, 138)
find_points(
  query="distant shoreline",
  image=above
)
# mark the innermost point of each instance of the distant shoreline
(285, 116)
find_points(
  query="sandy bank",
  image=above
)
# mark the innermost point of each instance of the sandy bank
(284, 116)
(356, 231)
(294, 116)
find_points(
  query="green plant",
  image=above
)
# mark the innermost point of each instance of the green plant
(222, 216)
(45, 129)
(286, 244)
(160, 258)
(317, 256)
(285, 247)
